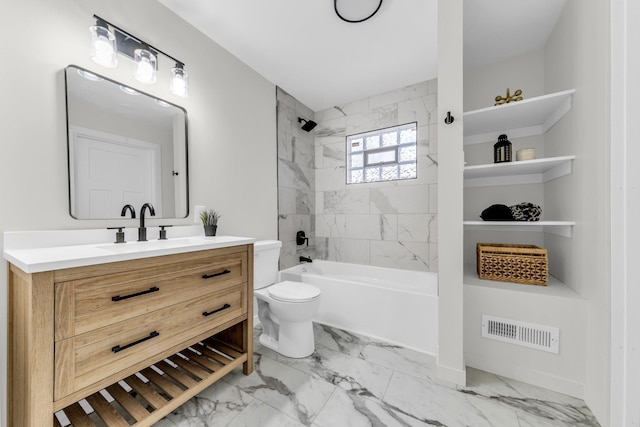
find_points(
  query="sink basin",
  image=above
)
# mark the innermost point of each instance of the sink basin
(153, 245)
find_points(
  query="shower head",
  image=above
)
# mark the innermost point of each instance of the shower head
(308, 124)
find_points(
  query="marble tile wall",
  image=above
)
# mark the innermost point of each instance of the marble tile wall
(296, 179)
(390, 224)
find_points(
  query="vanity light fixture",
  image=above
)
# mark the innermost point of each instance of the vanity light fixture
(103, 45)
(179, 84)
(146, 66)
(107, 41)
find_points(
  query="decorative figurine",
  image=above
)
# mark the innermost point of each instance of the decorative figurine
(517, 96)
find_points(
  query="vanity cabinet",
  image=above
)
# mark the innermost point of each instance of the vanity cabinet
(124, 343)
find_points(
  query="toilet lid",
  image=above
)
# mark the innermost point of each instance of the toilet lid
(289, 291)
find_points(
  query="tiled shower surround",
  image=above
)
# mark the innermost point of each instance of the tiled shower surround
(296, 175)
(389, 224)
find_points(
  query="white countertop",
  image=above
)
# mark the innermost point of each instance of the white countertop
(44, 253)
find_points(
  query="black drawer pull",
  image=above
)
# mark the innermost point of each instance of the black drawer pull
(209, 276)
(118, 348)
(209, 313)
(137, 294)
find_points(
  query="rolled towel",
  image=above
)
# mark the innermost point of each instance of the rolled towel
(526, 211)
(497, 213)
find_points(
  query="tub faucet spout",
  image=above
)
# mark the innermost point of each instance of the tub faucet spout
(142, 230)
(305, 259)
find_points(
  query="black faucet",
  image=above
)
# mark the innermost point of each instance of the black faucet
(130, 209)
(142, 231)
(305, 259)
(301, 238)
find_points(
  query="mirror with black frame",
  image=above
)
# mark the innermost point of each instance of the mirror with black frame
(124, 147)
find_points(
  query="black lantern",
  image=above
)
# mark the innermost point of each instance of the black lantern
(502, 150)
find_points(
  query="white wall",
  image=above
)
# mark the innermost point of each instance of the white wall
(625, 189)
(232, 136)
(450, 360)
(577, 55)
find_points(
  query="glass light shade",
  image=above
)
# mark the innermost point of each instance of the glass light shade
(129, 91)
(179, 84)
(146, 66)
(89, 76)
(103, 47)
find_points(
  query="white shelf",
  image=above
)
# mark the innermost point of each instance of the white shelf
(554, 288)
(533, 116)
(562, 228)
(523, 172)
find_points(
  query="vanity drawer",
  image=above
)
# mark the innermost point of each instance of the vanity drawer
(91, 303)
(85, 359)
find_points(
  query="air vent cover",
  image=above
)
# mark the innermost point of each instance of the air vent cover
(540, 337)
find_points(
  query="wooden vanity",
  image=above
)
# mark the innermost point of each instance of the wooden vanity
(131, 339)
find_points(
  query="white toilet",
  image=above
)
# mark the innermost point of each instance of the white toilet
(285, 309)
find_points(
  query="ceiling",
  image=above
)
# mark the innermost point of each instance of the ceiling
(303, 47)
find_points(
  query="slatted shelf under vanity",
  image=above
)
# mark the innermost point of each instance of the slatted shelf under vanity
(146, 397)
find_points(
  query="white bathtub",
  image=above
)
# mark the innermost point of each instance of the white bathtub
(397, 306)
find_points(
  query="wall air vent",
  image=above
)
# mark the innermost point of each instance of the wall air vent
(540, 337)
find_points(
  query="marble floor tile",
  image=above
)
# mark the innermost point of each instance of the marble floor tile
(215, 406)
(259, 414)
(401, 359)
(295, 393)
(547, 406)
(439, 405)
(339, 340)
(354, 381)
(349, 372)
(347, 409)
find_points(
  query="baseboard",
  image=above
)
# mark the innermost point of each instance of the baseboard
(450, 374)
(537, 378)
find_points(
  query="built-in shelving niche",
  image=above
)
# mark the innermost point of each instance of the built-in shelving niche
(529, 117)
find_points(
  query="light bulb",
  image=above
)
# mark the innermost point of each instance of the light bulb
(145, 70)
(179, 81)
(103, 47)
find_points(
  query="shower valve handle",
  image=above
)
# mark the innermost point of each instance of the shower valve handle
(301, 238)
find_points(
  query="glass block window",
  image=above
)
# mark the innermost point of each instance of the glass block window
(382, 155)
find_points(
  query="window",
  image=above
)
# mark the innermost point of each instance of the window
(382, 155)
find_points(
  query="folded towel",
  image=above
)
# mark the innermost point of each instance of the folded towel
(524, 211)
(497, 213)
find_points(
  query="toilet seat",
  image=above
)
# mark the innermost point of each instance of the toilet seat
(289, 291)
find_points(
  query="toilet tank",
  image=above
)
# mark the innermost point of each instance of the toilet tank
(265, 262)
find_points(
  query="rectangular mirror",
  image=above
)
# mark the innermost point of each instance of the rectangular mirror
(124, 147)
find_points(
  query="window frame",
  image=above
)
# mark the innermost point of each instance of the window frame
(391, 148)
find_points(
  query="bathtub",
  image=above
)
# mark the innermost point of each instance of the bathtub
(393, 305)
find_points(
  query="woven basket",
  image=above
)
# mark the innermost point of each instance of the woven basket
(526, 264)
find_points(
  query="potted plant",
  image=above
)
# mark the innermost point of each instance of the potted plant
(210, 221)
